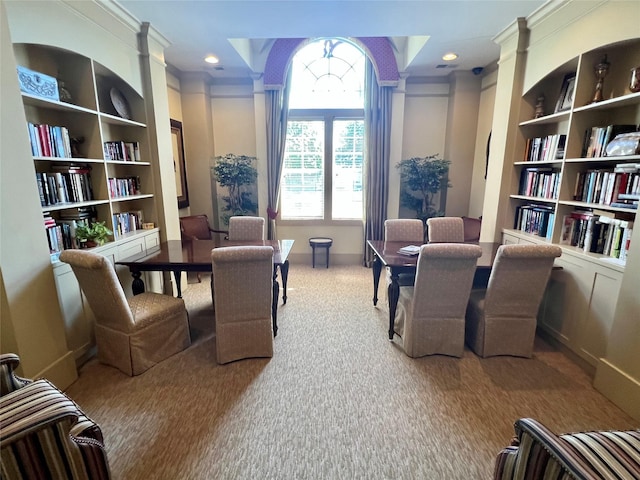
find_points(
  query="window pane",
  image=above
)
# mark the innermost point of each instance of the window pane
(302, 186)
(348, 147)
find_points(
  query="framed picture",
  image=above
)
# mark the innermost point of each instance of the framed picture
(565, 100)
(179, 164)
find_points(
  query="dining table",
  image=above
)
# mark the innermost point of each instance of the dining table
(190, 255)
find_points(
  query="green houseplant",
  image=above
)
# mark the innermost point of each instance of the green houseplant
(92, 234)
(238, 174)
(421, 179)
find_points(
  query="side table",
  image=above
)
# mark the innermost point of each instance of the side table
(320, 242)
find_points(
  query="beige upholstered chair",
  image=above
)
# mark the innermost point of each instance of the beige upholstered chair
(131, 334)
(430, 315)
(501, 320)
(404, 230)
(43, 433)
(243, 293)
(245, 228)
(445, 230)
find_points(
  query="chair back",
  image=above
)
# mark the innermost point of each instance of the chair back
(445, 230)
(99, 283)
(195, 227)
(404, 230)
(431, 315)
(246, 228)
(243, 293)
(472, 228)
(518, 280)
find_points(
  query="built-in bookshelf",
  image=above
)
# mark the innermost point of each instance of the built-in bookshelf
(571, 190)
(89, 145)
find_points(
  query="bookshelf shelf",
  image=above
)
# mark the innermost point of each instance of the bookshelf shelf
(68, 145)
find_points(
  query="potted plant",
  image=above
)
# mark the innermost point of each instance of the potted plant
(421, 179)
(92, 234)
(238, 174)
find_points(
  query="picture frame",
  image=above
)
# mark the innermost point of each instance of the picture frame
(179, 164)
(565, 100)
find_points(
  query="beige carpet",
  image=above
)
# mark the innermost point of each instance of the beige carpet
(337, 400)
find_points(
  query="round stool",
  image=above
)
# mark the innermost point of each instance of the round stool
(319, 242)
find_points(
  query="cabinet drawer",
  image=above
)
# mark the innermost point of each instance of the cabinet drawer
(133, 247)
(151, 241)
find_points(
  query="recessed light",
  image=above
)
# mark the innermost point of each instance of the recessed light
(211, 59)
(449, 56)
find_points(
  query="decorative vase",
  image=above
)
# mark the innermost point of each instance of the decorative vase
(602, 69)
(65, 96)
(634, 84)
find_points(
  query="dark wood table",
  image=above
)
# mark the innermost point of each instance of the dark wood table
(386, 254)
(179, 256)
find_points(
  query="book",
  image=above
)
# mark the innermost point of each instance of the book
(409, 250)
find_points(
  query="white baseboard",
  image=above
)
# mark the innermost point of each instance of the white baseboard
(62, 372)
(618, 387)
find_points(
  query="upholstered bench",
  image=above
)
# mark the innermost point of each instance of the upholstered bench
(537, 453)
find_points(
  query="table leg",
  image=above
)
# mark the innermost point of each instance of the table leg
(327, 250)
(274, 302)
(177, 276)
(138, 285)
(394, 294)
(313, 256)
(284, 273)
(377, 268)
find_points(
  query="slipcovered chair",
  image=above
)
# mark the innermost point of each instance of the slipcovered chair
(403, 230)
(501, 319)
(430, 315)
(445, 230)
(43, 433)
(243, 293)
(246, 228)
(536, 453)
(196, 227)
(131, 334)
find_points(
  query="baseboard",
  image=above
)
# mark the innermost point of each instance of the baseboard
(334, 259)
(549, 337)
(618, 387)
(62, 372)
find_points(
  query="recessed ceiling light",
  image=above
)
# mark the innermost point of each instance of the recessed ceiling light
(449, 56)
(211, 59)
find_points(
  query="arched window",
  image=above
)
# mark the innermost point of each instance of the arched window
(324, 152)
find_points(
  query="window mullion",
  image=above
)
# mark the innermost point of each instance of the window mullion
(328, 166)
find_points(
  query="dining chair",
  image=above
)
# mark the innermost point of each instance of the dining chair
(430, 315)
(197, 227)
(403, 230)
(45, 434)
(471, 228)
(131, 334)
(501, 319)
(243, 293)
(246, 228)
(445, 230)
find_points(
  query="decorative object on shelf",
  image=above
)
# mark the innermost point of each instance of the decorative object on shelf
(539, 107)
(565, 100)
(63, 93)
(120, 103)
(634, 84)
(148, 226)
(92, 235)
(601, 71)
(624, 144)
(179, 164)
(38, 84)
(421, 179)
(238, 173)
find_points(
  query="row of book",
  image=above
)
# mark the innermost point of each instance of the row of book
(61, 233)
(126, 222)
(543, 182)
(122, 151)
(544, 149)
(535, 219)
(68, 185)
(608, 186)
(124, 187)
(49, 140)
(597, 138)
(598, 232)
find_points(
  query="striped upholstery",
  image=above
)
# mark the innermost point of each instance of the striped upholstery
(430, 315)
(245, 228)
(243, 293)
(43, 434)
(9, 381)
(445, 230)
(537, 453)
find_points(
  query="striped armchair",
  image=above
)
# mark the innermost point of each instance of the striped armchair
(538, 454)
(43, 433)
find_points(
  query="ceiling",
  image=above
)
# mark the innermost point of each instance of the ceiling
(240, 32)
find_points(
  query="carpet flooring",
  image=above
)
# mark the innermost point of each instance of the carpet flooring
(338, 400)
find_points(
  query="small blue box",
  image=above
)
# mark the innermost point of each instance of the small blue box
(38, 84)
